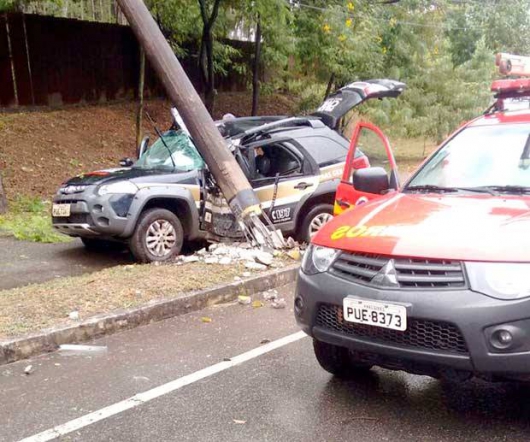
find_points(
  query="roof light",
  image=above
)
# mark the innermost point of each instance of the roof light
(515, 65)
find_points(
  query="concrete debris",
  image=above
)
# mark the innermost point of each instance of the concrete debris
(294, 254)
(255, 266)
(226, 260)
(264, 258)
(74, 316)
(270, 295)
(246, 275)
(244, 300)
(28, 369)
(211, 260)
(192, 258)
(279, 304)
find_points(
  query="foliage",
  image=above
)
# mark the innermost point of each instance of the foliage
(29, 220)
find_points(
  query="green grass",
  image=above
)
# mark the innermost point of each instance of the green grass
(29, 219)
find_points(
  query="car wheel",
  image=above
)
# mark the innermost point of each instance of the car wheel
(314, 220)
(337, 360)
(158, 236)
(101, 245)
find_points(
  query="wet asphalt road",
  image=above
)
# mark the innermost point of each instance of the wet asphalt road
(282, 395)
(23, 262)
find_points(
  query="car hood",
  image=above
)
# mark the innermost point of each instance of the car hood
(134, 175)
(456, 227)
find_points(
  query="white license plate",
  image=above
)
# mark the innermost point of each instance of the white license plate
(61, 210)
(378, 314)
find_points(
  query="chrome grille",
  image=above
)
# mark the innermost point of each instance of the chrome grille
(420, 333)
(411, 273)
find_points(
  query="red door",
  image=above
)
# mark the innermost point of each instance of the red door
(369, 147)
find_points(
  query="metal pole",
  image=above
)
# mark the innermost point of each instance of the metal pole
(221, 163)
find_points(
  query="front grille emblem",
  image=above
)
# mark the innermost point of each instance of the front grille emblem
(387, 276)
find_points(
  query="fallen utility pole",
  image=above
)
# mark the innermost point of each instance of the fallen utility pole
(229, 177)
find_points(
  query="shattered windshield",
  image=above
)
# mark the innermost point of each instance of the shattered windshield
(178, 149)
(480, 157)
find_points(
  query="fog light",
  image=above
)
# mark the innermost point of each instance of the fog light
(505, 337)
(502, 339)
(299, 304)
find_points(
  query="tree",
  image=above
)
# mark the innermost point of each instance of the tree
(3, 199)
(209, 14)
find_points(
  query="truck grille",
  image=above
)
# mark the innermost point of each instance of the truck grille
(411, 273)
(420, 333)
(74, 218)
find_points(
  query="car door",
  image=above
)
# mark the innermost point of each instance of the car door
(377, 153)
(292, 176)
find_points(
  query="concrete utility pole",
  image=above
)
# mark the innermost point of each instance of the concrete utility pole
(221, 163)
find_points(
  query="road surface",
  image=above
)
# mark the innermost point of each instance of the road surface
(23, 262)
(266, 391)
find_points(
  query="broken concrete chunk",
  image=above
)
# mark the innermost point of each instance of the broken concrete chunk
(211, 260)
(264, 258)
(74, 316)
(270, 295)
(255, 266)
(189, 259)
(226, 260)
(279, 304)
(244, 300)
(28, 369)
(246, 275)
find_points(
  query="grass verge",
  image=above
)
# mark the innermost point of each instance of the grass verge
(32, 308)
(29, 219)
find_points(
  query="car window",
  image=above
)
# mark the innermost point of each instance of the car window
(373, 148)
(176, 148)
(481, 156)
(324, 150)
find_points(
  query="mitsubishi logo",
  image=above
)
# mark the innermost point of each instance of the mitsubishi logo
(387, 276)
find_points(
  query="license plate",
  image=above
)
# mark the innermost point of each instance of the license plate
(378, 314)
(61, 210)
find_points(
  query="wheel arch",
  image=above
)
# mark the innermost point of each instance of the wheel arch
(325, 194)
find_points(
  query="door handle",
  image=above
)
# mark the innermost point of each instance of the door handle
(302, 186)
(343, 204)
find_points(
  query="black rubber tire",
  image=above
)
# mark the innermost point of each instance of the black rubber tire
(102, 245)
(304, 233)
(337, 360)
(138, 244)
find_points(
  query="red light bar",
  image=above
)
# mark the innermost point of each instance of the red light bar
(511, 88)
(510, 64)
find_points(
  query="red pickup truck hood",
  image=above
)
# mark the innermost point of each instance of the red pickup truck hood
(455, 227)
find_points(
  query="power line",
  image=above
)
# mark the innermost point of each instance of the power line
(400, 22)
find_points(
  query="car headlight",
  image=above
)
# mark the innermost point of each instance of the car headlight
(500, 280)
(318, 259)
(121, 187)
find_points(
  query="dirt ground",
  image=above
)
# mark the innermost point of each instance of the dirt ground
(40, 149)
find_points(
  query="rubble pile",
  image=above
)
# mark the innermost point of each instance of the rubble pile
(253, 258)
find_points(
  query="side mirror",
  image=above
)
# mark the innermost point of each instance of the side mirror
(126, 162)
(371, 180)
(143, 146)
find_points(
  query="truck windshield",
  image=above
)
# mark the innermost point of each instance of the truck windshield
(484, 157)
(184, 153)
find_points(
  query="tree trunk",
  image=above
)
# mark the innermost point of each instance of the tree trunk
(3, 199)
(209, 93)
(255, 73)
(140, 98)
(330, 85)
(12, 61)
(28, 60)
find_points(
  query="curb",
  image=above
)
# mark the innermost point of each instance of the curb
(49, 340)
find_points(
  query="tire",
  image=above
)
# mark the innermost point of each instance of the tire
(158, 236)
(337, 360)
(102, 245)
(317, 215)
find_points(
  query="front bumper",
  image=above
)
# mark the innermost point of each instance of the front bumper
(93, 215)
(448, 329)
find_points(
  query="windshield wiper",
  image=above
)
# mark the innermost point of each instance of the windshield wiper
(431, 188)
(434, 189)
(509, 189)
(162, 139)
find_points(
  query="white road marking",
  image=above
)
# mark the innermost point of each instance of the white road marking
(142, 398)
